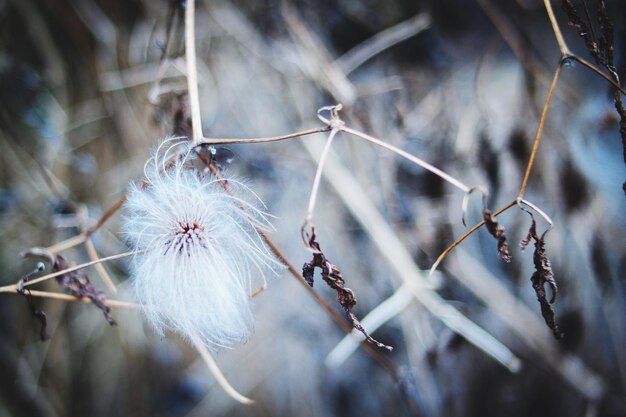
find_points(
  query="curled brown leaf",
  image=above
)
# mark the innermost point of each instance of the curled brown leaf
(497, 231)
(77, 284)
(332, 276)
(543, 275)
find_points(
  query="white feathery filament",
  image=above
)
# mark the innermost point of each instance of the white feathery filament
(199, 250)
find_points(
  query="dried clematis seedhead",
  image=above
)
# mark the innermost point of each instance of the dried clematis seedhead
(198, 249)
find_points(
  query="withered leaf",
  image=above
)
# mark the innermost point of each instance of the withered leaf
(543, 275)
(332, 276)
(575, 21)
(607, 39)
(497, 231)
(77, 284)
(602, 51)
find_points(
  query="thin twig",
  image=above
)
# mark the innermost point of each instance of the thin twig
(229, 141)
(12, 289)
(67, 244)
(542, 121)
(192, 72)
(77, 267)
(318, 177)
(107, 215)
(458, 184)
(557, 31)
(217, 373)
(102, 272)
(537, 210)
(595, 69)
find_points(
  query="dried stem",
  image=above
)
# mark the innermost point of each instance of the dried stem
(595, 69)
(104, 275)
(318, 177)
(192, 72)
(67, 244)
(107, 215)
(537, 210)
(217, 373)
(542, 121)
(557, 31)
(458, 184)
(77, 267)
(12, 289)
(230, 141)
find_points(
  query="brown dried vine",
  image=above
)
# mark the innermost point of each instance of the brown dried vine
(332, 276)
(543, 275)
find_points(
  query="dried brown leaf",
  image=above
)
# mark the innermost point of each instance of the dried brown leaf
(575, 21)
(543, 275)
(497, 231)
(332, 276)
(77, 284)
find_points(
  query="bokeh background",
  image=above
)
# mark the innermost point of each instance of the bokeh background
(85, 100)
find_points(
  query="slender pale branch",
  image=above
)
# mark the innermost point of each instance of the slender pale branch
(77, 267)
(542, 120)
(104, 275)
(595, 69)
(12, 289)
(537, 210)
(67, 244)
(230, 141)
(217, 373)
(318, 176)
(192, 72)
(458, 184)
(557, 30)
(107, 215)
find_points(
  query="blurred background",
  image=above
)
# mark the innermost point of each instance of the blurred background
(90, 88)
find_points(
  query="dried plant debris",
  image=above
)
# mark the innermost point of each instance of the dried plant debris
(575, 21)
(37, 313)
(497, 231)
(74, 282)
(543, 275)
(77, 284)
(601, 50)
(332, 276)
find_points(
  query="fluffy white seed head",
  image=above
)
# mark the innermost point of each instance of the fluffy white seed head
(198, 250)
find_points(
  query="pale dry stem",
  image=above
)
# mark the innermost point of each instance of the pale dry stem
(217, 373)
